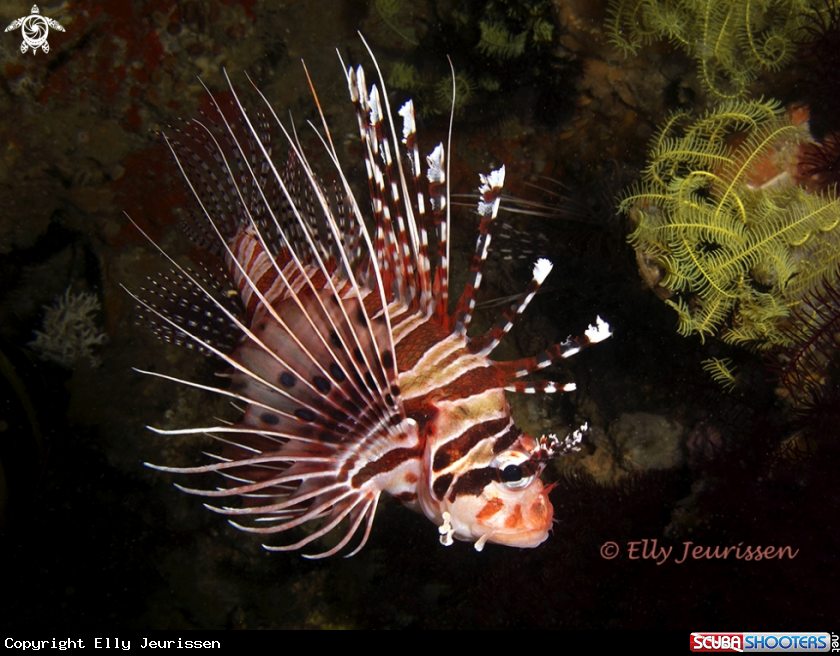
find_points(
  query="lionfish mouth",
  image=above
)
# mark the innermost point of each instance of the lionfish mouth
(331, 320)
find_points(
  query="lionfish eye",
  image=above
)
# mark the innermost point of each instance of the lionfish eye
(514, 469)
(511, 473)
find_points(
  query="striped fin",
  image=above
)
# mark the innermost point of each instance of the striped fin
(489, 341)
(409, 140)
(490, 194)
(436, 174)
(398, 238)
(519, 368)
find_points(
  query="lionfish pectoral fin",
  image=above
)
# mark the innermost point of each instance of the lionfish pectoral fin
(175, 297)
(357, 509)
(189, 332)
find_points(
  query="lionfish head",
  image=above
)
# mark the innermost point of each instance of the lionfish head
(507, 503)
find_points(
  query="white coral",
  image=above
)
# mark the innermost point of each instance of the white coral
(69, 332)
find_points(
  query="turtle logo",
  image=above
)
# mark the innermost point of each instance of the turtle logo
(35, 29)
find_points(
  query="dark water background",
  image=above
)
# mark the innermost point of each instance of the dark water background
(91, 538)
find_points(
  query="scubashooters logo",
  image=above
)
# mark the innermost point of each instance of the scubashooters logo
(34, 29)
(766, 642)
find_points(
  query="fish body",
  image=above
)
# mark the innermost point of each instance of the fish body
(354, 377)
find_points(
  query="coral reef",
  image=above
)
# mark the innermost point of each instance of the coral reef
(722, 231)
(731, 40)
(634, 443)
(69, 330)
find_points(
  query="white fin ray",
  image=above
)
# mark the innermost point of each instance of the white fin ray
(391, 375)
(265, 303)
(302, 270)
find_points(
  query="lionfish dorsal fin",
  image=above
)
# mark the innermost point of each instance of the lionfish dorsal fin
(491, 339)
(438, 199)
(394, 222)
(420, 227)
(399, 205)
(490, 195)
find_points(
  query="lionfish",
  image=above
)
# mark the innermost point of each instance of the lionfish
(353, 376)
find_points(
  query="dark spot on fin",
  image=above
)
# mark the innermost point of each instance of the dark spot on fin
(335, 340)
(269, 418)
(387, 360)
(337, 373)
(305, 414)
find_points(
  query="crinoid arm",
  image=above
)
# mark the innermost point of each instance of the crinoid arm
(729, 239)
